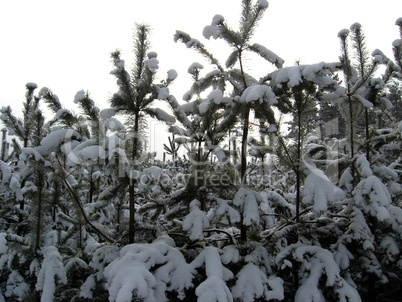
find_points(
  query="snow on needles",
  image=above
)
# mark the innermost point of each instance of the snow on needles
(320, 191)
(252, 283)
(194, 68)
(319, 74)
(79, 96)
(130, 272)
(215, 96)
(213, 30)
(52, 267)
(172, 74)
(263, 3)
(314, 263)
(107, 113)
(258, 93)
(373, 190)
(53, 140)
(196, 221)
(152, 64)
(268, 55)
(214, 287)
(246, 200)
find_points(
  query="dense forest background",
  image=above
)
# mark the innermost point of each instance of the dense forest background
(283, 188)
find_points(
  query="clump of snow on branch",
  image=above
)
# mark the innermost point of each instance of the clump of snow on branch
(3, 248)
(246, 201)
(5, 172)
(107, 113)
(51, 272)
(161, 115)
(62, 112)
(114, 124)
(268, 55)
(215, 96)
(226, 213)
(194, 68)
(196, 221)
(214, 288)
(79, 96)
(91, 154)
(252, 284)
(258, 93)
(363, 167)
(152, 64)
(372, 195)
(15, 187)
(203, 107)
(54, 139)
(262, 3)
(316, 265)
(163, 93)
(319, 73)
(213, 30)
(131, 273)
(172, 74)
(320, 191)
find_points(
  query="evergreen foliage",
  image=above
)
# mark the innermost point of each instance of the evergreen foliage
(309, 215)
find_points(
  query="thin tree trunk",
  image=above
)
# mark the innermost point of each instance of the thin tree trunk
(131, 191)
(118, 217)
(91, 187)
(298, 166)
(132, 212)
(198, 173)
(55, 200)
(135, 139)
(352, 151)
(79, 243)
(20, 230)
(3, 144)
(367, 135)
(76, 197)
(298, 195)
(38, 221)
(243, 167)
(243, 230)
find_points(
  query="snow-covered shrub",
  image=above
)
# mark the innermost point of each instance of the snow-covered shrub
(214, 288)
(148, 271)
(253, 284)
(52, 273)
(196, 221)
(256, 280)
(320, 191)
(318, 273)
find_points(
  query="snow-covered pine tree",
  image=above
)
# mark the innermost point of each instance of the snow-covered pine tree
(63, 116)
(202, 128)
(172, 148)
(298, 88)
(24, 129)
(347, 248)
(359, 89)
(247, 93)
(136, 93)
(239, 40)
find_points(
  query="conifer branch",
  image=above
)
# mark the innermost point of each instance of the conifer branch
(141, 47)
(362, 55)
(77, 200)
(198, 46)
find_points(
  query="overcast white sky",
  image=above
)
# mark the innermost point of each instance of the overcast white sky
(66, 45)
